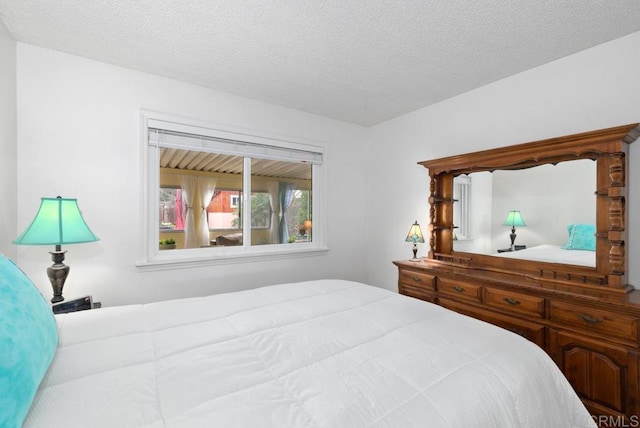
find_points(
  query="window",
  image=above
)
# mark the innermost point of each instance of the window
(196, 181)
(234, 200)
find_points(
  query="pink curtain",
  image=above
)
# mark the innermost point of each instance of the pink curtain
(179, 210)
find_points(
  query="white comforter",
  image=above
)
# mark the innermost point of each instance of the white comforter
(315, 354)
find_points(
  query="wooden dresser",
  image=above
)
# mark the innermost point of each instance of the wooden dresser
(585, 318)
(594, 342)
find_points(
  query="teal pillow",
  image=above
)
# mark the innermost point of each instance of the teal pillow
(581, 237)
(28, 340)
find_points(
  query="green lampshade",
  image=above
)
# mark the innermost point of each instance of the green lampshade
(57, 222)
(514, 219)
(415, 234)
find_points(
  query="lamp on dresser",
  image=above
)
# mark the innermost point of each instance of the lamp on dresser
(415, 236)
(513, 219)
(58, 222)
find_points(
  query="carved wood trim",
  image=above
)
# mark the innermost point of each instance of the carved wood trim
(616, 191)
(566, 275)
(616, 257)
(577, 146)
(432, 215)
(616, 170)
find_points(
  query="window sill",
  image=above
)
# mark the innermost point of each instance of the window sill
(187, 259)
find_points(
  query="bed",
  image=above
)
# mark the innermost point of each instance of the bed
(325, 353)
(553, 254)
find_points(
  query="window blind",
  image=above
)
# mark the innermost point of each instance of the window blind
(239, 144)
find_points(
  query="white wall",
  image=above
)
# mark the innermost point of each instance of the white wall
(594, 89)
(79, 136)
(8, 148)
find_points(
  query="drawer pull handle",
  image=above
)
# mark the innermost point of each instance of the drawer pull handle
(512, 302)
(416, 279)
(458, 289)
(589, 319)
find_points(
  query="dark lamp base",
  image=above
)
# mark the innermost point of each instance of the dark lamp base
(512, 236)
(57, 274)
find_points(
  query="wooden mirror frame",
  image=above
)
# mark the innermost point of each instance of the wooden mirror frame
(608, 147)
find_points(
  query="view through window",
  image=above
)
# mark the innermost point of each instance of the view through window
(280, 204)
(223, 211)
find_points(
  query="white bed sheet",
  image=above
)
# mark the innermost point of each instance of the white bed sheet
(326, 353)
(554, 254)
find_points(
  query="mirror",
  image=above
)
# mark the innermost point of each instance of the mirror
(606, 236)
(549, 198)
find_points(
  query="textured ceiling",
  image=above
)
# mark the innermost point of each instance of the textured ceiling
(362, 61)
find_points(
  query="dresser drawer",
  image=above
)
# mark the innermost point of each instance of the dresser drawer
(594, 320)
(461, 289)
(529, 330)
(417, 292)
(514, 302)
(415, 279)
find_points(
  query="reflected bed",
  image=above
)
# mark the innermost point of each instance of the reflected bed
(553, 254)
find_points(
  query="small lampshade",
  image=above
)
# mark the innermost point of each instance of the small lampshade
(306, 225)
(514, 219)
(415, 234)
(57, 222)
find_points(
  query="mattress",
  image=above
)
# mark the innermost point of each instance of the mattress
(553, 254)
(326, 353)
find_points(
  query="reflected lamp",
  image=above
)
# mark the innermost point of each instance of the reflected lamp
(415, 236)
(58, 222)
(513, 219)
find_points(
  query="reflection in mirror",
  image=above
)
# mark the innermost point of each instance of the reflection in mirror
(462, 198)
(549, 197)
(201, 200)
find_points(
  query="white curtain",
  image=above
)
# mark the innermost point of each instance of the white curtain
(285, 195)
(189, 184)
(206, 188)
(272, 188)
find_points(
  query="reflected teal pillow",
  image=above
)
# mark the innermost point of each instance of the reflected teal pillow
(28, 340)
(581, 237)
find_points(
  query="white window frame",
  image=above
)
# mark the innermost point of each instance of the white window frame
(149, 255)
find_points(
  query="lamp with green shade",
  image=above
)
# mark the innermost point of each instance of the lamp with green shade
(513, 219)
(58, 222)
(415, 236)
